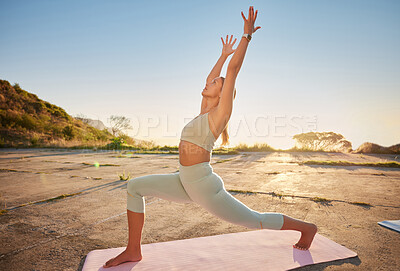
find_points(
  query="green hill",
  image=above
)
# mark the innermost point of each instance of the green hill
(27, 121)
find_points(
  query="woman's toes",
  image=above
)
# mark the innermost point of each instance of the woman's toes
(107, 264)
(298, 247)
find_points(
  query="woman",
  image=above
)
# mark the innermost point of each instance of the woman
(196, 181)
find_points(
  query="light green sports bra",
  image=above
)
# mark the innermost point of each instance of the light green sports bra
(198, 132)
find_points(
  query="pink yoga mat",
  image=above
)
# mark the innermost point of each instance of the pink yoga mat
(251, 250)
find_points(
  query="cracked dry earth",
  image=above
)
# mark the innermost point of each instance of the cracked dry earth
(57, 234)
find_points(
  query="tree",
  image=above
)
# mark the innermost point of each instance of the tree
(118, 124)
(327, 141)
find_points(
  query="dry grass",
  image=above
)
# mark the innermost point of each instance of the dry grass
(4, 211)
(346, 163)
(124, 177)
(360, 203)
(319, 199)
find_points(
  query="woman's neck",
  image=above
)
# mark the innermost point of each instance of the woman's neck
(209, 104)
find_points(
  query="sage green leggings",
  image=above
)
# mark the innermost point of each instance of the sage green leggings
(198, 183)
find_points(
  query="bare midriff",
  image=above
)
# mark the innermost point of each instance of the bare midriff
(191, 154)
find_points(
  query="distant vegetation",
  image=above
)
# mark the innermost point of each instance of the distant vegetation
(27, 121)
(119, 124)
(257, 147)
(328, 141)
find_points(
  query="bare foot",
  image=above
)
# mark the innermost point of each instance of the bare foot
(307, 237)
(125, 256)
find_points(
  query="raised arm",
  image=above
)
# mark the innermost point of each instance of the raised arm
(226, 102)
(226, 51)
(238, 57)
(216, 71)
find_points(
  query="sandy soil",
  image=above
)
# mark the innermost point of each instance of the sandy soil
(57, 235)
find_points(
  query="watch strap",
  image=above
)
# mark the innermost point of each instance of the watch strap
(247, 36)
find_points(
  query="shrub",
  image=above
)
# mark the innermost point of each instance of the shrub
(97, 134)
(28, 122)
(127, 139)
(39, 106)
(116, 143)
(69, 132)
(55, 130)
(35, 140)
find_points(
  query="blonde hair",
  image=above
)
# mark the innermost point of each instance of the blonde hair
(225, 135)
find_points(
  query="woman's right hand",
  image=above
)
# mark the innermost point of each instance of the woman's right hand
(249, 22)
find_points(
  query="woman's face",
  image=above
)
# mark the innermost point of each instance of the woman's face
(213, 88)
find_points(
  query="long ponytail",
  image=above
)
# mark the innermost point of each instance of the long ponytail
(225, 136)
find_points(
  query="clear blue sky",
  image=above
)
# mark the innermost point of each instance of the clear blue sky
(148, 60)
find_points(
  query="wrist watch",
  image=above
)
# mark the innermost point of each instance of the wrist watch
(247, 36)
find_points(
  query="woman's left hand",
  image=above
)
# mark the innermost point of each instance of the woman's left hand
(227, 46)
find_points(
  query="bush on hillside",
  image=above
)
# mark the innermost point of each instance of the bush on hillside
(69, 132)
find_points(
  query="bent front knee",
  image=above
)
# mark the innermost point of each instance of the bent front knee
(135, 201)
(132, 187)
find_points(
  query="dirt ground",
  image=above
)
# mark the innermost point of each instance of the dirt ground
(57, 235)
